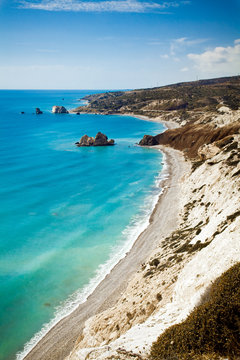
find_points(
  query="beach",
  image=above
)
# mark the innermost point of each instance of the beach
(60, 340)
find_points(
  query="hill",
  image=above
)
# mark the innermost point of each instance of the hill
(180, 100)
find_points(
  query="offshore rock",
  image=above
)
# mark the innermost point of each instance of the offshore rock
(100, 140)
(85, 141)
(38, 111)
(59, 110)
(111, 142)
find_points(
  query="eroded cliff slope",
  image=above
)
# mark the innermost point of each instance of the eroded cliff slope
(205, 244)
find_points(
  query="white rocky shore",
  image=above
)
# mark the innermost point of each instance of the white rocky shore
(173, 279)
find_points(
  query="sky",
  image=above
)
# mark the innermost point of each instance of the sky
(116, 44)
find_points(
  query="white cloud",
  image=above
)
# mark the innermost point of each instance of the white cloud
(184, 69)
(183, 42)
(135, 6)
(164, 56)
(180, 40)
(218, 60)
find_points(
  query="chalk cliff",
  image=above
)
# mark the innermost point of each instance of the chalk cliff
(180, 270)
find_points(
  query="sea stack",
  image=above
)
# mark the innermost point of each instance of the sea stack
(59, 110)
(38, 111)
(99, 140)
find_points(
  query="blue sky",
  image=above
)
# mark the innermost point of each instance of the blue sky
(116, 44)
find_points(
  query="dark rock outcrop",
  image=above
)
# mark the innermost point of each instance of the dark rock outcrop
(59, 110)
(38, 111)
(111, 142)
(100, 140)
(148, 140)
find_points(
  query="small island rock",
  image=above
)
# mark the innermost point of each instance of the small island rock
(86, 141)
(100, 140)
(38, 111)
(59, 110)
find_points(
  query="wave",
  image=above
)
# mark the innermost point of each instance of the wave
(129, 235)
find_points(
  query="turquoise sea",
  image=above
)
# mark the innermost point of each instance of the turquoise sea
(67, 214)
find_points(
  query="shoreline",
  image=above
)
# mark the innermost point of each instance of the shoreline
(168, 124)
(60, 339)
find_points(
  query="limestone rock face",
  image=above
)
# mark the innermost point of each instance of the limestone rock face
(59, 110)
(148, 140)
(100, 140)
(207, 151)
(38, 111)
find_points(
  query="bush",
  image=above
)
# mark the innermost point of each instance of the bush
(213, 328)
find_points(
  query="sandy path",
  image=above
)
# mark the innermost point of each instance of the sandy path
(59, 341)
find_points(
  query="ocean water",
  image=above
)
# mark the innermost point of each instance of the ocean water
(67, 214)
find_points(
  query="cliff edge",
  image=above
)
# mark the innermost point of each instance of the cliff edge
(177, 276)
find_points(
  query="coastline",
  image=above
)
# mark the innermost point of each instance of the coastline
(60, 339)
(168, 124)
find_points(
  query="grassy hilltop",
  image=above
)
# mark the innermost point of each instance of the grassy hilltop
(196, 96)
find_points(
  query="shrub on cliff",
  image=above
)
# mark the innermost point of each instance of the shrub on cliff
(232, 101)
(212, 329)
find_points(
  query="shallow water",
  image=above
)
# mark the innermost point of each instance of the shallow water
(64, 210)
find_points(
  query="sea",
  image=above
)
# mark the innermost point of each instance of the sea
(68, 214)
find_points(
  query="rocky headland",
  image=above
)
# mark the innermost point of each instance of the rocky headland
(158, 302)
(182, 102)
(99, 140)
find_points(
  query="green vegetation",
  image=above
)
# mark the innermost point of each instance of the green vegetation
(203, 95)
(212, 330)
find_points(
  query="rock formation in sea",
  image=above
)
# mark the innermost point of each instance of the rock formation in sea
(59, 110)
(38, 111)
(99, 140)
